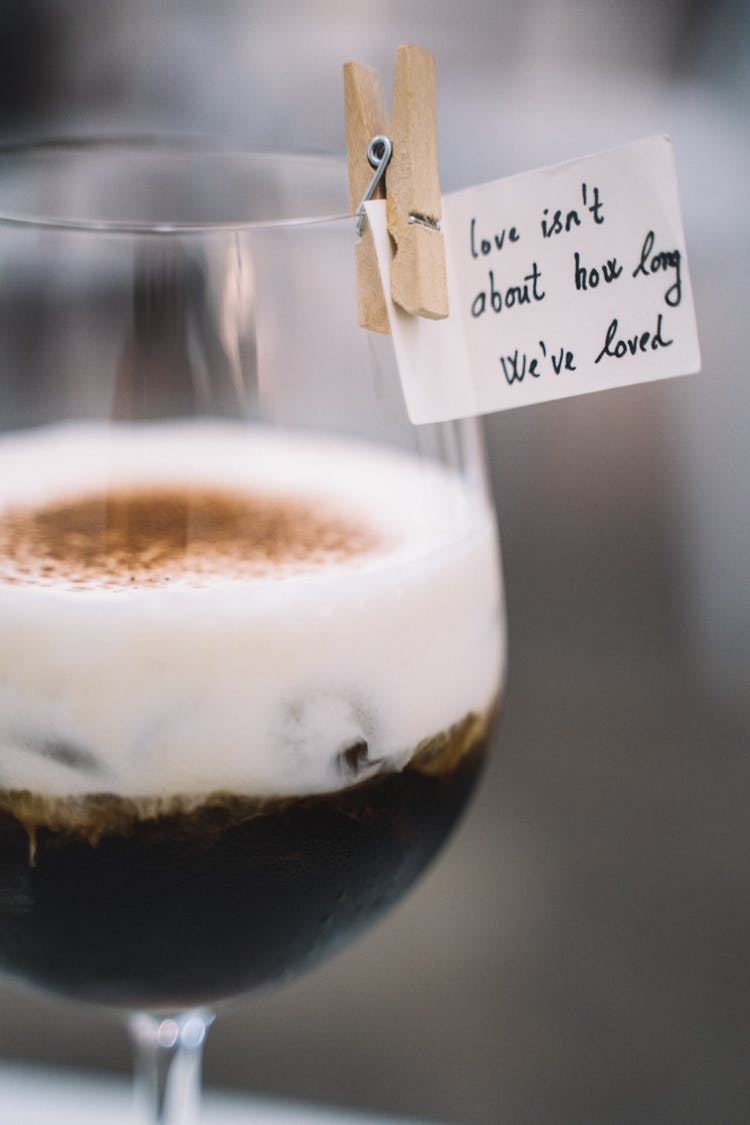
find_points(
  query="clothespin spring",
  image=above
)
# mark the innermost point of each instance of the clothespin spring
(378, 155)
(423, 222)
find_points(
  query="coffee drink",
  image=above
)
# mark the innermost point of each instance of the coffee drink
(246, 679)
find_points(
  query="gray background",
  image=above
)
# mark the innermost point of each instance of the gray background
(580, 952)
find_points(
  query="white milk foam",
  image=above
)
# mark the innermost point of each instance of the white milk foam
(255, 685)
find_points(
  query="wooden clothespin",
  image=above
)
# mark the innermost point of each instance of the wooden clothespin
(411, 187)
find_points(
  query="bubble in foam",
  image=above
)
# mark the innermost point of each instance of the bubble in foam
(347, 725)
(59, 750)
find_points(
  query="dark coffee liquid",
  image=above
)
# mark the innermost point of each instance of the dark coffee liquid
(184, 909)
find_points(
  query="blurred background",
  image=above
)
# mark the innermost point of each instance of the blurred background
(580, 953)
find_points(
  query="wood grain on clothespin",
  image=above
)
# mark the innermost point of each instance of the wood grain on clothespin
(418, 277)
(364, 108)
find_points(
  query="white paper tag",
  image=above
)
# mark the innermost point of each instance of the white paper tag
(561, 281)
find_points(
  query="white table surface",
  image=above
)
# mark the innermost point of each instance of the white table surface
(31, 1095)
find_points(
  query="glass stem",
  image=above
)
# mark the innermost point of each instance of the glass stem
(168, 1052)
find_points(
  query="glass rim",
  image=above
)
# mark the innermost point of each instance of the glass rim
(189, 145)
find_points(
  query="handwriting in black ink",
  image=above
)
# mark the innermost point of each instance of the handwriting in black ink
(631, 345)
(589, 278)
(517, 365)
(564, 221)
(485, 246)
(562, 361)
(507, 298)
(661, 260)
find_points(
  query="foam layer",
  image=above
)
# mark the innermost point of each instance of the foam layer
(348, 597)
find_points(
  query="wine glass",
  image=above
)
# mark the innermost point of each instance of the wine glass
(251, 622)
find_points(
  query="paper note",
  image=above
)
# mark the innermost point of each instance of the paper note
(561, 281)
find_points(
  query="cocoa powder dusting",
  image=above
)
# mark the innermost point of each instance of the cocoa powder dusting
(152, 536)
